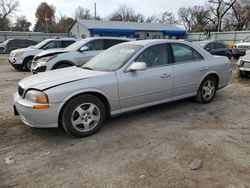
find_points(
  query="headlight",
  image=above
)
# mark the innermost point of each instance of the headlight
(48, 58)
(37, 97)
(17, 54)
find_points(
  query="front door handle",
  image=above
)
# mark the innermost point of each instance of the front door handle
(166, 75)
(204, 69)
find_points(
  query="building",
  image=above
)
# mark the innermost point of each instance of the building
(90, 28)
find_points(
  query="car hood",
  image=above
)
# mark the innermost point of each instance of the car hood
(49, 53)
(57, 77)
(23, 50)
(243, 44)
(245, 57)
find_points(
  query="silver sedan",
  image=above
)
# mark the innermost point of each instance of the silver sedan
(126, 77)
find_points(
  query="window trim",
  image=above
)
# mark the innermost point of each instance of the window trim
(188, 61)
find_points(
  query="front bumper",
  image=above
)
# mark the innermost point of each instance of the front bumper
(35, 68)
(15, 62)
(43, 118)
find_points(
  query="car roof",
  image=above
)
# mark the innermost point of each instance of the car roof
(156, 41)
(114, 38)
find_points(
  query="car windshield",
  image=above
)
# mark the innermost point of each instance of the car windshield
(41, 44)
(77, 45)
(113, 58)
(247, 39)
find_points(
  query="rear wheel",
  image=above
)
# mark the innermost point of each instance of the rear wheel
(83, 115)
(207, 90)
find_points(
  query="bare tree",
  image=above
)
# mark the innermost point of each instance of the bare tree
(21, 24)
(127, 14)
(241, 14)
(219, 8)
(82, 13)
(7, 7)
(164, 17)
(186, 17)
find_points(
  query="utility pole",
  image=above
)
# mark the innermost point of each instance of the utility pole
(95, 11)
(46, 23)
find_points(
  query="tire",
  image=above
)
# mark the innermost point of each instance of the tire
(83, 115)
(206, 92)
(27, 63)
(62, 65)
(236, 57)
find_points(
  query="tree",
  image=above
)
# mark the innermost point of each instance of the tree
(186, 17)
(241, 14)
(45, 15)
(21, 24)
(219, 8)
(63, 24)
(82, 13)
(7, 8)
(194, 18)
(126, 14)
(165, 17)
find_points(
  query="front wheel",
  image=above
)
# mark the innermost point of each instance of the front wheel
(207, 90)
(83, 115)
(27, 63)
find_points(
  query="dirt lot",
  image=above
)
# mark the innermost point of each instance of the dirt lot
(149, 148)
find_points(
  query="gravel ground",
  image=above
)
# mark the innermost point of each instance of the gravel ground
(149, 148)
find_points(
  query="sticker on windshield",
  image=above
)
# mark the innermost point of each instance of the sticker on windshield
(129, 51)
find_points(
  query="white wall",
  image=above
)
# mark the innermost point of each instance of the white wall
(79, 31)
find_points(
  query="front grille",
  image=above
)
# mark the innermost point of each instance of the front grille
(20, 91)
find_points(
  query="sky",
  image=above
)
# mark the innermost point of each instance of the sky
(105, 7)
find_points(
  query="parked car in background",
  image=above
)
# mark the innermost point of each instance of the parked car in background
(22, 58)
(13, 44)
(243, 65)
(240, 48)
(216, 48)
(125, 77)
(75, 54)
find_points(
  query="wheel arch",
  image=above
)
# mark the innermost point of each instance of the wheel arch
(213, 74)
(28, 57)
(62, 62)
(101, 95)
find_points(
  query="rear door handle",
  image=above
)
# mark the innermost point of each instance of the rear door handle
(204, 69)
(166, 75)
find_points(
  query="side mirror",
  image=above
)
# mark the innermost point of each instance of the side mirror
(84, 48)
(138, 66)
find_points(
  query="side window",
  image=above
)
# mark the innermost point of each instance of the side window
(219, 46)
(154, 56)
(50, 45)
(109, 43)
(210, 46)
(95, 45)
(66, 43)
(184, 53)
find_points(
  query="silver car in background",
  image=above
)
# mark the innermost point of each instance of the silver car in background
(75, 54)
(125, 77)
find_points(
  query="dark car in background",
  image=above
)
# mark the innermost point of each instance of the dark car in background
(216, 48)
(13, 44)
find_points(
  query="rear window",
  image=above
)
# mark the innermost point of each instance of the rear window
(66, 43)
(219, 46)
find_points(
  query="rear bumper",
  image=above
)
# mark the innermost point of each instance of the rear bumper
(45, 118)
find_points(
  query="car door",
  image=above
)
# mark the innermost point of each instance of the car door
(220, 49)
(151, 86)
(189, 67)
(94, 47)
(210, 48)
